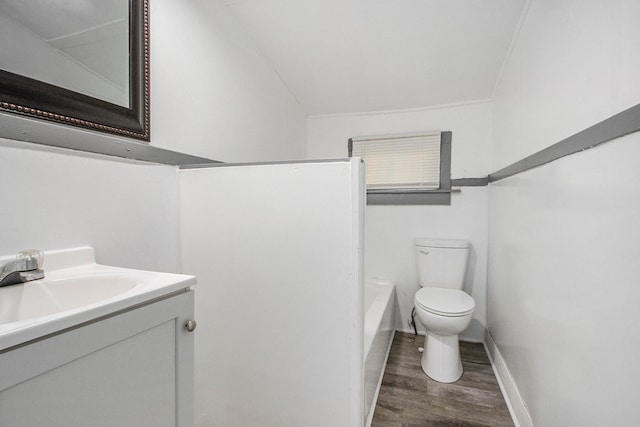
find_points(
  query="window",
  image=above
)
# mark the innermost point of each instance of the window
(406, 169)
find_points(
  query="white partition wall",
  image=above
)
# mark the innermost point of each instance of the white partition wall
(277, 249)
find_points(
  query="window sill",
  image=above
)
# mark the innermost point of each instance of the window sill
(409, 197)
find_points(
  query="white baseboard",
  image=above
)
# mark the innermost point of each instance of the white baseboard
(421, 333)
(410, 331)
(515, 403)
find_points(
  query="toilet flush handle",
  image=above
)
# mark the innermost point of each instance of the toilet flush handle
(424, 251)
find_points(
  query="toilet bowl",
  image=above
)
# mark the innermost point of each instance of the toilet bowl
(445, 313)
(441, 305)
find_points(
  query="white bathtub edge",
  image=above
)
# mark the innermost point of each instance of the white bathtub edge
(375, 395)
(379, 332)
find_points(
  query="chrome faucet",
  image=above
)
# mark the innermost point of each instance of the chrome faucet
(24, 268)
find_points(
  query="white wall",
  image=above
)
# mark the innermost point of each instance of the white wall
(390, 230)
(564, 237)
(54, 200)
(277, 251)
(213, 95)
(575, 63)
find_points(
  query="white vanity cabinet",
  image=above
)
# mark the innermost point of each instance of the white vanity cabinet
(131, 368)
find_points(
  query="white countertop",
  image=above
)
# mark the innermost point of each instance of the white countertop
(76, 290)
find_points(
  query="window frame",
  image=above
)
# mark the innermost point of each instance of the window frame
(440, 196)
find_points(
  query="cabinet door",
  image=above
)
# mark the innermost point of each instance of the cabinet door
(131, 369)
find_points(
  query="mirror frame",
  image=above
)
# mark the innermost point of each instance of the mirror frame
(36, 99)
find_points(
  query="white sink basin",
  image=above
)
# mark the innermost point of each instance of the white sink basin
(76, 290)
(46, 297)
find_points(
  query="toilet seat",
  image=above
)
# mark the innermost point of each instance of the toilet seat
(444, 302)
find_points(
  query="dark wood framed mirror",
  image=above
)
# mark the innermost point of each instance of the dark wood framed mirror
(37, 97)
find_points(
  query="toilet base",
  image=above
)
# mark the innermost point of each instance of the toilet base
(441, 358)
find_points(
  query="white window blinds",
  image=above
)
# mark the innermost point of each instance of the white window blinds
(394, 162)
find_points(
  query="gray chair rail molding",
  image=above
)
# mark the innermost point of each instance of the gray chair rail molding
(616, 126)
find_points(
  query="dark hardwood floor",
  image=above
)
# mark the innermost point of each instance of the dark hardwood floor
(409, 398)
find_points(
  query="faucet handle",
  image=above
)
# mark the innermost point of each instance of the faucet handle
(36, 254)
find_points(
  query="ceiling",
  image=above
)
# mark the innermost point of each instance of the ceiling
(345, 56)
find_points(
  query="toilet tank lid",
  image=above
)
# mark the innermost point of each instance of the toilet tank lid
(442, 243)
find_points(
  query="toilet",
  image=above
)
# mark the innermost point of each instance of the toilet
(442, 306)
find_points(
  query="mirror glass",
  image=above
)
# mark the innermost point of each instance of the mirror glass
(80, 45)
(81, 62)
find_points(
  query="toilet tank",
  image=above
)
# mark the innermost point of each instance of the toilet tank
(442, 263)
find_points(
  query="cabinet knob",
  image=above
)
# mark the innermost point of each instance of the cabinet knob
(191, 325)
